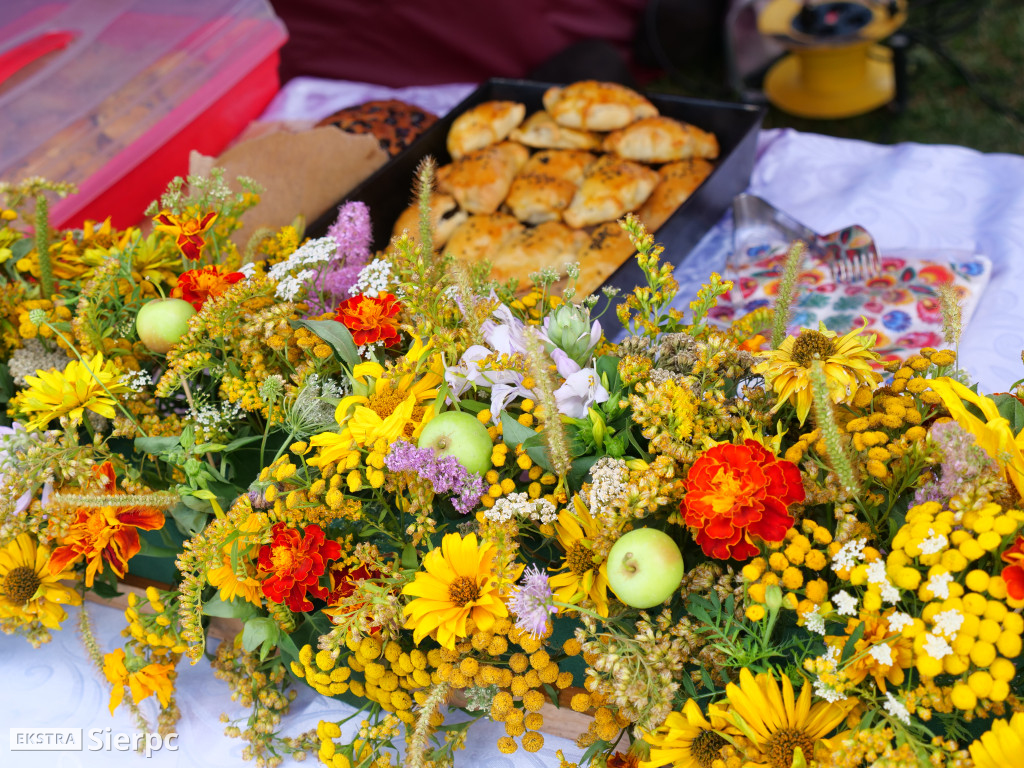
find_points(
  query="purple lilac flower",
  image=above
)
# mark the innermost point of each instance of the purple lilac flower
(445, 473)
(532, 602)
(963, 462)
(351, 231)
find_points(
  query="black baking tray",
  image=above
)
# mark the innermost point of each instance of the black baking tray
(388, 191)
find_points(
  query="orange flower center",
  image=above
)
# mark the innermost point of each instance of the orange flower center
(728, 488)
(282, 558)
(20, 585)
(463, 591)
(384, 403)
(782, 744)
(579, 558)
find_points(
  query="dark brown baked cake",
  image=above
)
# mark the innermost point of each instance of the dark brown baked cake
(394, 123)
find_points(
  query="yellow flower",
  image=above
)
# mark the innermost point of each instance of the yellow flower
(687, 739)
(777, 722)
(584, 577)
(846, 363)
(224, 576)
(80, 386)
(27, 589)
(994, 434)
(457, 583)
(381, 409)
(1001, 745)
(142, 679)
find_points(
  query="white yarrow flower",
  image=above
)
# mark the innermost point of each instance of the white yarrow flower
(934, 544)
(948, 623)
(936, 647)
(882, 654)
(939, 584)
(896, 708)
(849, 554)
(846, 604)
(899, 620)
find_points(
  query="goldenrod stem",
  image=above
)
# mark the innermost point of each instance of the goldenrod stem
(43, 245)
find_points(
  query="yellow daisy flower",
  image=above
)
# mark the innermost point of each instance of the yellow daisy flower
(457, 583)
(687, 739)
(994, 434)
(846, 362)
(1001, 745)
(28, 591)
(224, 576)
(79, 387)
(380, 409)
(143, 680)
(777, 722)
(585, 576)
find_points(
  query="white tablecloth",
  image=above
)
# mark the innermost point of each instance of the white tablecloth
(907, 196)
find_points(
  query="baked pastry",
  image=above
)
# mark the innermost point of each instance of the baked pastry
(484, 124)
(479, 181)
(678, 182)
(536, 197)
(607, 249)
(568, 164)
(394, 123)
(479, 237)
(542, 132)
(661, 140)
(445, 216)
(551, 244)
(611, 188)
(591, 105)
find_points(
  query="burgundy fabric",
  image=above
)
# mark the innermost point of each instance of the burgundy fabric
(409, 42)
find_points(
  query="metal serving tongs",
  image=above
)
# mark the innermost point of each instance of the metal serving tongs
(849, 253)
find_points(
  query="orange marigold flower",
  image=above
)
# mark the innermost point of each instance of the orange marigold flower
(370, 318)
(109, 533)
(188, 233)
(294, 563)
(198, 285)
(736, 492)
(1013, 573)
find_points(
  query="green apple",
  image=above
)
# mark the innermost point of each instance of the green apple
(462, 435)
(645, 567)
(162, 322)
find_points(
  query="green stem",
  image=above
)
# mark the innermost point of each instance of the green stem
(43, 245)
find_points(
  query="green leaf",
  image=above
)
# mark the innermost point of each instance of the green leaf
(6, 383)
(513, 433)
(233, 609)
(259, 630)
(580, 469)
(148, 549)
(189, 521)
(157, 445)
(234, 445)
(1011, 409)
(473, 406)
(851, 643)
(537, 450)
(691, 689)
(105, 590)
(337, 335)
(409, 560)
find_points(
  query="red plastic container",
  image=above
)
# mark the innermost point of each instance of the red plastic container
(112, 95)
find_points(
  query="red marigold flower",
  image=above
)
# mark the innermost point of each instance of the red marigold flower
(198, 285)
(1013, 574)
(295, 562)
(370, 318)
(736, 492)
(188, 232)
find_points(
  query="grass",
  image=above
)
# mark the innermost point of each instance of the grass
(941, 107)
